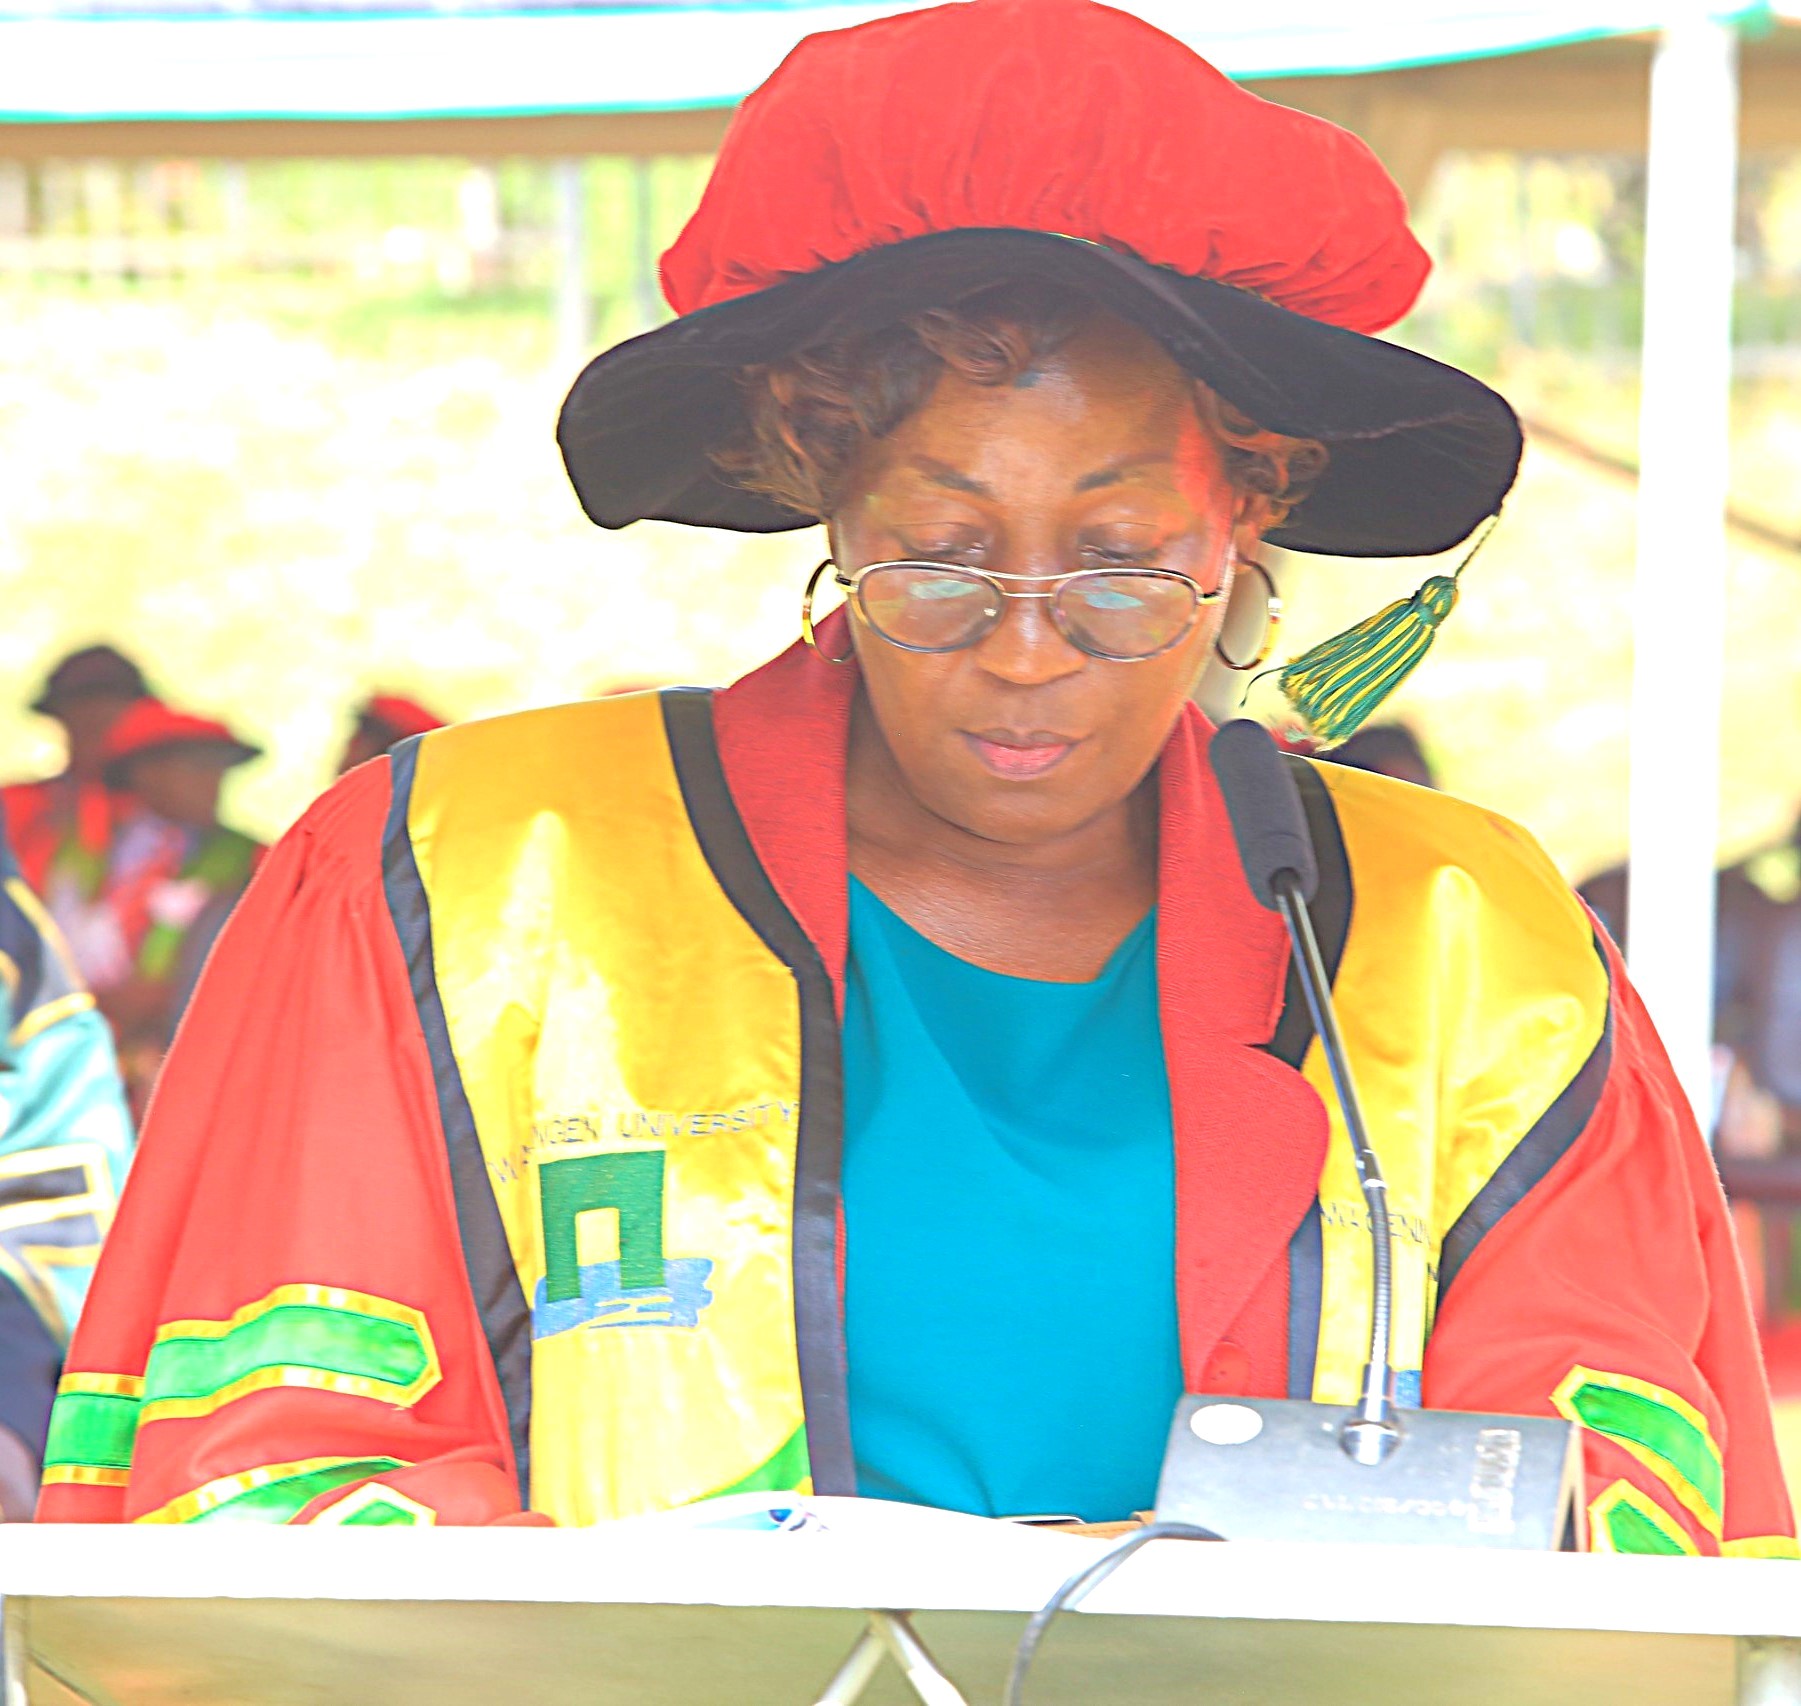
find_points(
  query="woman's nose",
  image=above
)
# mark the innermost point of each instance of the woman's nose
(1026, 647)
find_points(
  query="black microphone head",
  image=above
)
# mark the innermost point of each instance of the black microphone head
(1265, 808)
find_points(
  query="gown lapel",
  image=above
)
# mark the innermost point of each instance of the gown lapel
(1250, 1133)
(783, 732)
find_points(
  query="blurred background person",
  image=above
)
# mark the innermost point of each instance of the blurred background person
(65, 1140)
(174, 874)
(1744, 916)
(381, 720)
(62, 826)
(1756, 1110)
(1769, 1027)
(1389, 749)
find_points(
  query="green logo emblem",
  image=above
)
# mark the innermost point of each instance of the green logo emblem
(643, 1287)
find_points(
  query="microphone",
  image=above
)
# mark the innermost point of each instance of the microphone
(1277, 854)
(1291, 1469)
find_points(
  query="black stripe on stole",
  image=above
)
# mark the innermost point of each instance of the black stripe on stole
(487, 1257)
(23, 944)
(1548, 1141)
(818, 1309)
(1331, 909)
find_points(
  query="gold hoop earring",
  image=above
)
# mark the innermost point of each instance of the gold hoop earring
(1272, 610)
(807, 631)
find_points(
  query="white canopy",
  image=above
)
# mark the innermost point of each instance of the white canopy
(67, 61)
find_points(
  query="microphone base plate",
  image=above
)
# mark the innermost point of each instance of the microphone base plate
(1276, 1469)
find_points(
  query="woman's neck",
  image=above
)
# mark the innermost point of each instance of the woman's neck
(1053, 910)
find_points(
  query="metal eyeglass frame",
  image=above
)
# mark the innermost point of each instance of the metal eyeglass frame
(852, 586)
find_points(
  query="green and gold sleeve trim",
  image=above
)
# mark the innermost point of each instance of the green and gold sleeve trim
(321, 1337)
(92, 1428)
(1624, 1519)
(1667, 1434)
(273, 1492)
(374, 1506)
(318, 1336)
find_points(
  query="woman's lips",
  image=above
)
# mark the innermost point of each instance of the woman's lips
(1019, 757)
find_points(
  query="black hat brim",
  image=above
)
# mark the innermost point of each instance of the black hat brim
(54, 699)
(1421, 452)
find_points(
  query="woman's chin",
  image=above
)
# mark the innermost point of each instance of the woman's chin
(1012, 813)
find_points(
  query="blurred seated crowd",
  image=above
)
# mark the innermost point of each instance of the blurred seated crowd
(126, 848)
(118, 874)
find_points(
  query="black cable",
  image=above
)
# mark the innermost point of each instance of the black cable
(1077, 1588)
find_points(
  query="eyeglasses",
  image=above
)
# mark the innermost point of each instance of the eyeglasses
(1119, 615)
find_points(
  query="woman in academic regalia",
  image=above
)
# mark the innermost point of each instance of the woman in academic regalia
(877, 1076)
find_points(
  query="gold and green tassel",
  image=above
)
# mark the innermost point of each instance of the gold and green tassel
(1336, 685)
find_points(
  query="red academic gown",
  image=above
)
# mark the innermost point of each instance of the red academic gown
(296, 1131)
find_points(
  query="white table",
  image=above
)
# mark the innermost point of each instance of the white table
(641, 1613)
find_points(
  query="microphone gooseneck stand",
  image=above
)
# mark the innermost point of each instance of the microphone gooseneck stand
(1375, 1430)
(1279, 865)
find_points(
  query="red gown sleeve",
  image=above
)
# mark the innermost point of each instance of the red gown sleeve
(1613, 1294)
(281, 1327)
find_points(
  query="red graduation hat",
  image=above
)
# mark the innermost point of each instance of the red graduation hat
(906, 163)
(150, 726)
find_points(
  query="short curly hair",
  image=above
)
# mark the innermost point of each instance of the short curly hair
(811, 413)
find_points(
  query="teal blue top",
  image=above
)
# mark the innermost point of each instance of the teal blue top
(1009, 1205)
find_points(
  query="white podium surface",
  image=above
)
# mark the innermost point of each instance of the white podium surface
(646, 1614)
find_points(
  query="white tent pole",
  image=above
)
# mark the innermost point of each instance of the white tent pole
(645, 292)
(1679, 589)
(573, 326)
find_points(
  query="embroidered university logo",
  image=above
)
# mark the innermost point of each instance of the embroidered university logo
(641, 1287)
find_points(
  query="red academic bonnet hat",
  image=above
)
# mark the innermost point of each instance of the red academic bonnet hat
(909, 162)
(151, 726)
(397, 717)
